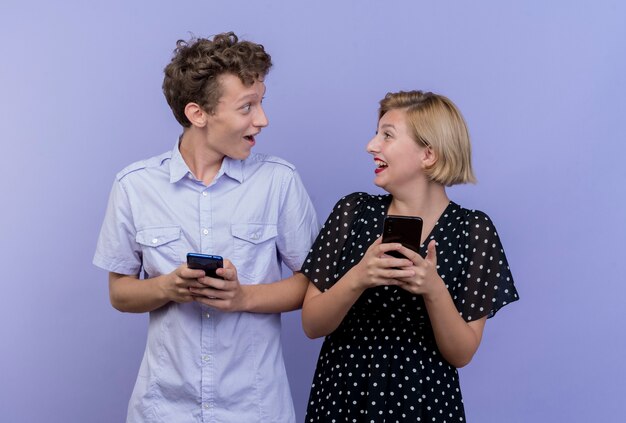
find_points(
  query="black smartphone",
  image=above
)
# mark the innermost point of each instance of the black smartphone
(206, 262)
(407, 230)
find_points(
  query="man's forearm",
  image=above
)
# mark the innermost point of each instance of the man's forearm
(132, 295)
(284, 295)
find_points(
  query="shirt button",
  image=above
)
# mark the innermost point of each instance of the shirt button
(204, 193)
(205, 406)
(155, 240)
(205, 231)
(206, 358)
(208, 316)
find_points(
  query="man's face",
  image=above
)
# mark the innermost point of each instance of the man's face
(238, 117)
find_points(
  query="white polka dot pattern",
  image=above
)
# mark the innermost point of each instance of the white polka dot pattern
(382, 363)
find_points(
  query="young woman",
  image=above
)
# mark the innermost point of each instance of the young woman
(398, 328)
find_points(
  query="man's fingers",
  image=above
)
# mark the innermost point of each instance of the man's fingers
(212, 293)
(186, 273)
(228, 272)
(221, 284)
(216, 303)
(195, 284)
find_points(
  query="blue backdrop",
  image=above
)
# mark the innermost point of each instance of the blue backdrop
(541, 85)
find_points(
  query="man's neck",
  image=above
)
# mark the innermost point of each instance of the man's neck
(202, 161)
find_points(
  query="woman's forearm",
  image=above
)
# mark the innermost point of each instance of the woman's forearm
(456, 339)
(323, 312)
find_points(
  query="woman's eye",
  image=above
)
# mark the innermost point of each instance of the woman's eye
(386, 135)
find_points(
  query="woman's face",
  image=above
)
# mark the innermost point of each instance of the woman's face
(398, 157)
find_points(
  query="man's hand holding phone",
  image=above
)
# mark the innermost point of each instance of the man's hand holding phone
(206, 262)
(220, 287)
(176, 286)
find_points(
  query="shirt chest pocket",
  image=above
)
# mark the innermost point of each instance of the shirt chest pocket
(254, 249)
(159, 249)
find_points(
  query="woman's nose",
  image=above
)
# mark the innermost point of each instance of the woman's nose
(372, 145)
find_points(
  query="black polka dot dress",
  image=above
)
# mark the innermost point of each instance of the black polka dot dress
(382, 363)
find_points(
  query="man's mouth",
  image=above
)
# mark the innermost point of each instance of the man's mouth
(380, 165)
(250, 139)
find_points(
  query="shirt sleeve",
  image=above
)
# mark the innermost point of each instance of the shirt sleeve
(117, 250)
(297, 224)
(488, 281)
(325, 264)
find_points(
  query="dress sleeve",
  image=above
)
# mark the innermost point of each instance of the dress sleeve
(325, 263)
(488, 281)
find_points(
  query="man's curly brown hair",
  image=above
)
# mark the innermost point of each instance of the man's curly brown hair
(192, 75)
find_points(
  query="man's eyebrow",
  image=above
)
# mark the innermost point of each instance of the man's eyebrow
(251, 96)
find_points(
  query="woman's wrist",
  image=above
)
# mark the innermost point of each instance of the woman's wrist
(438, 291)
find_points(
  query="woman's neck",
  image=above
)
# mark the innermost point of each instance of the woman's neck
(428, 203)
(428, 200)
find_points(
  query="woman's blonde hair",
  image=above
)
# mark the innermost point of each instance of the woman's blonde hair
(435, 122)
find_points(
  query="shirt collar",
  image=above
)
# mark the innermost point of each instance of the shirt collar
(179, 169)
(232, 168)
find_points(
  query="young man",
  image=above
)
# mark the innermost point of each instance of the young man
(213, 352)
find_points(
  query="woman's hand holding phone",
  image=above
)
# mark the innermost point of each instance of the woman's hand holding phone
(378, 267)
(426, 281)
(406, 230)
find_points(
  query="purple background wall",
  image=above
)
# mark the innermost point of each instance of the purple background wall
(541, 85)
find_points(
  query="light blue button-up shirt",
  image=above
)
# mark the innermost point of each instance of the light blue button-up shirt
(201, 364)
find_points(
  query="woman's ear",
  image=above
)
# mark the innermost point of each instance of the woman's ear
(429, 157)
(196, 115)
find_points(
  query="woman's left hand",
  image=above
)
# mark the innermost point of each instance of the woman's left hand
(426, 281)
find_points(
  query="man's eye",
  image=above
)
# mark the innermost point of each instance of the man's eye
(246, 108)
(386, 135)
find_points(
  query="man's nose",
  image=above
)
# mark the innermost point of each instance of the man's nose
(260, 119)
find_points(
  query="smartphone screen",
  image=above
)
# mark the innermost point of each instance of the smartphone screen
(206, 262)
(407, 230)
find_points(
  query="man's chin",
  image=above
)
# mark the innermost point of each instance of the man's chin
(240, 156)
